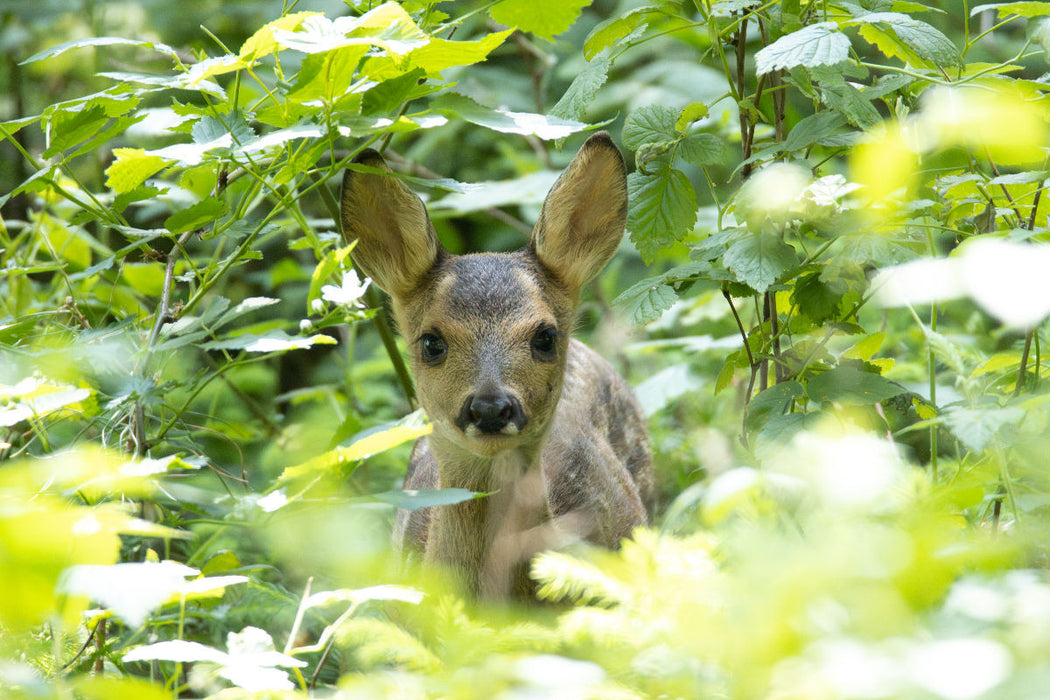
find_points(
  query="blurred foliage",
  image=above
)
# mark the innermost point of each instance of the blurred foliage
(835, 271)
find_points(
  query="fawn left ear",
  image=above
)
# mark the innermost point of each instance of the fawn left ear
(396, 243)
(583, 217)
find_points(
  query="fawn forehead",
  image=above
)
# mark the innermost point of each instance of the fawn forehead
(495, 290)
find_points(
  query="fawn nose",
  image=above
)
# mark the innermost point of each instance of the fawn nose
(492, 412)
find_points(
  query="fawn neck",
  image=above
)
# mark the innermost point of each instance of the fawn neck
(488, 541)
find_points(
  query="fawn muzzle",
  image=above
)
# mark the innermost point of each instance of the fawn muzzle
(491, 411)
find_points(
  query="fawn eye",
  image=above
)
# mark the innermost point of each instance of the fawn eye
(545, 344)
(432, 348)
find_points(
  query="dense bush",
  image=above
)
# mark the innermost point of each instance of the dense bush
(831, 301)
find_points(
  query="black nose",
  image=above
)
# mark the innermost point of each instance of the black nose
(492, 412)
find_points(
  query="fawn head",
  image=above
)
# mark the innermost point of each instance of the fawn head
(488, 333)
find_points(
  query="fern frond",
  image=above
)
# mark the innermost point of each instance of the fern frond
(565, 577)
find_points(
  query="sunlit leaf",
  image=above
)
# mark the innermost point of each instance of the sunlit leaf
(273, 341)
(1022, 9)
(544, 18)
(262, 42)
(130, 168)
(362, 446)
(100, 41)
(506, 121)
(820, 44)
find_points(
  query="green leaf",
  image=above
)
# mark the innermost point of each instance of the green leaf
(573, 104)
(196, 216)
(819, 44)
(130, 169)
(274, 341)
(649, 124)
(692, 112)
(610, 31)
(810, 130)
(363, 445)
(773, 401)
(416, 499)
(646, 300)
(1022, 9)
(100, 41)
(262, 42)
(326, 75)
(544, 18)
(703, 149)
(975, 428)
(505, 121)
(922, 41)
(758, 260)
(852, 386)
(67, 128)
(851, 103)
(440, 54)
(662, 210)
(387, 26)
(725, 8)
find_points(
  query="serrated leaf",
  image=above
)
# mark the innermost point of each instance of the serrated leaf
(196, 216)
(852, 386)
(645, 301)
(725, 8)
(363, 445)
(865, 348)
(810, 130)
(67, 128)
(610, 31)
(544, 18)
(773, 401)
(758, 260)
(922, 40)
(505, 121)
(387, 26)
(662, 210)
(100, 41)
(692, 112)
(440, 54)
(262, 43)
(581, 92)
(975, 428)
(703, 149)
(130, 169)
(274, 341)
(819, 44)
(1022, 9)
(649, 124)
(415, 499)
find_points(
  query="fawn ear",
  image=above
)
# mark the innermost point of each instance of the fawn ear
(396, 243)
(583, 217)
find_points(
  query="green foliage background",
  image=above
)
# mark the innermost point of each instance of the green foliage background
(831, 301)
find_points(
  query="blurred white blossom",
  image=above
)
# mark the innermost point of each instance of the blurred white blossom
(349, 293)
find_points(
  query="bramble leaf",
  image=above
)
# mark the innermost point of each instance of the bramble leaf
(662, 210)
(819, 44)
(544, 18)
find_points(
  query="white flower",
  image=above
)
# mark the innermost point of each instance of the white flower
(347, 294)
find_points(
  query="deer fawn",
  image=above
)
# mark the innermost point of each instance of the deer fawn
(520, 411)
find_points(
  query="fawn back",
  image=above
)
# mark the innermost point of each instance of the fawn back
(520, 411)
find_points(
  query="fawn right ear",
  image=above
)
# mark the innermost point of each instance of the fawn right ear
(396, 243)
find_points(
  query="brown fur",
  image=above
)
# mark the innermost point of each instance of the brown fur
(573, 461)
